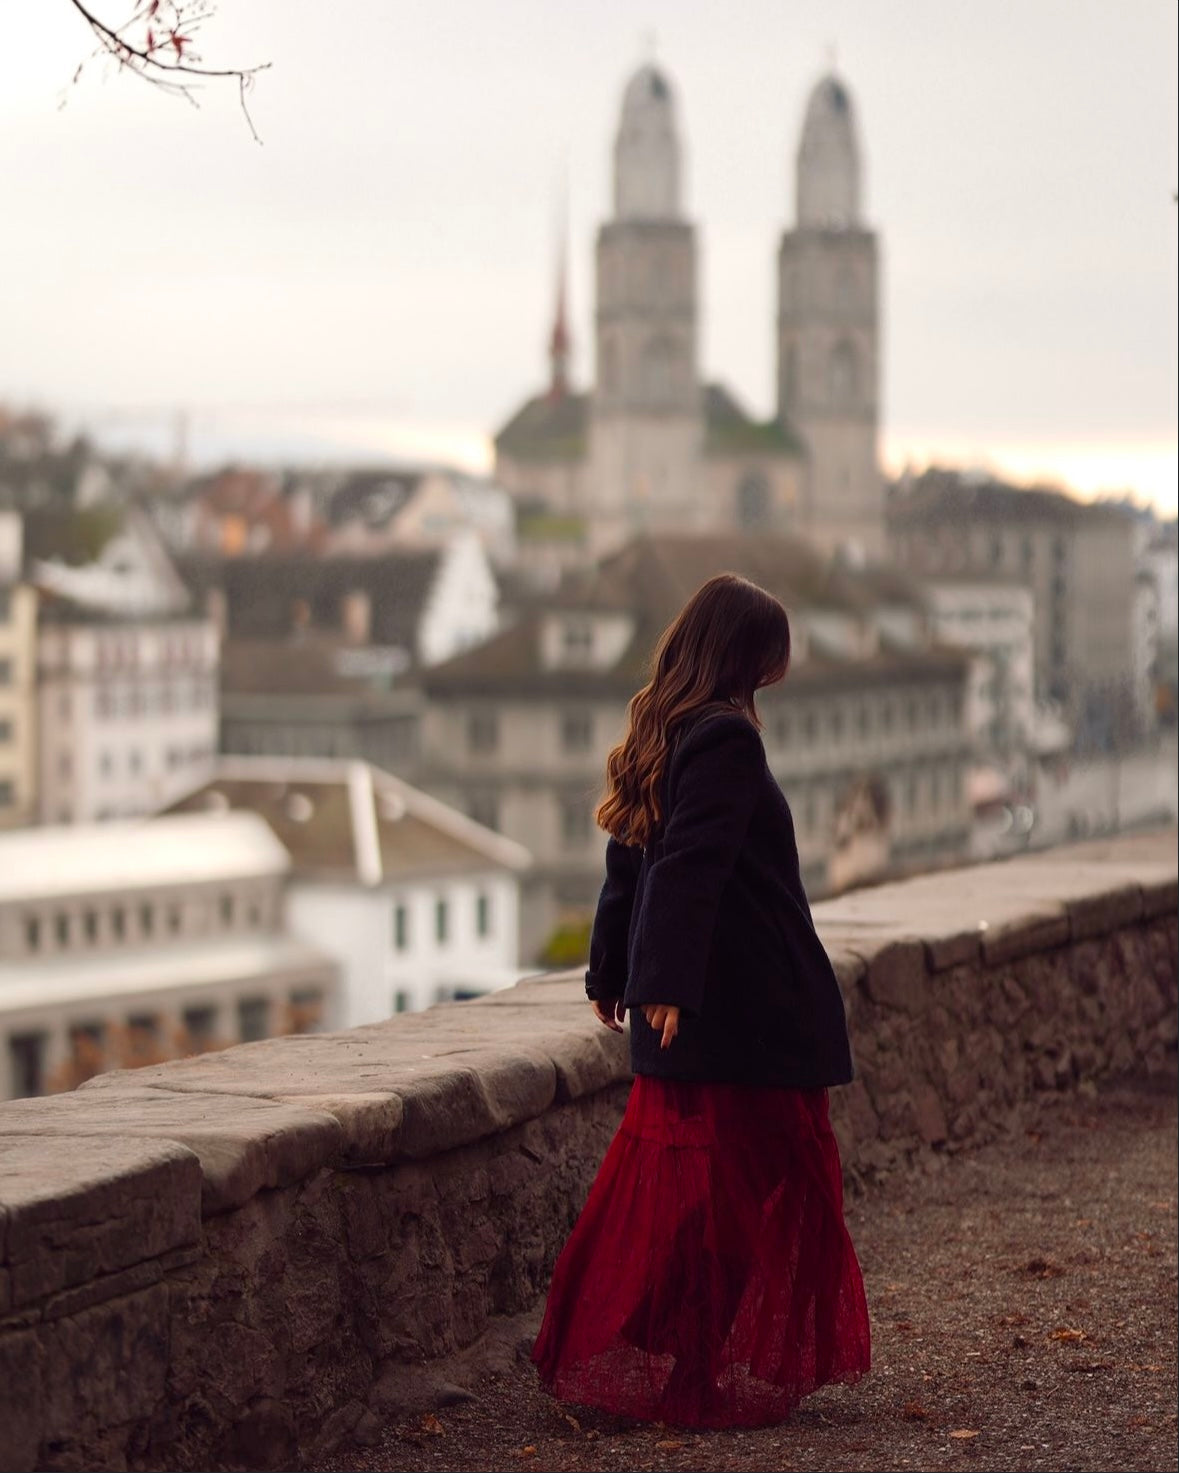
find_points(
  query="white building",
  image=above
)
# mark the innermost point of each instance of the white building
(131, 942)
(416, 902)
(995, 619)
(127, 711)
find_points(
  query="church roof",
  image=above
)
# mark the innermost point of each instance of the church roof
(729, 430)
(548, 427)
(556, 428)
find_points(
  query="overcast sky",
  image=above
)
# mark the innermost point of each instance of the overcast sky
(377, 277)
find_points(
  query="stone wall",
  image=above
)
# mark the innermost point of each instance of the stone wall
(248, 1258)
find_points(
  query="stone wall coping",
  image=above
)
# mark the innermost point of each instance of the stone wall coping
(150, 1151)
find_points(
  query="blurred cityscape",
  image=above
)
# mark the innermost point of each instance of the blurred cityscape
(295, 748)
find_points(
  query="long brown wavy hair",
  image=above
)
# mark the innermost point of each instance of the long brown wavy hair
(728, 640)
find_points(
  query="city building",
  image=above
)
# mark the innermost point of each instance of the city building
(651, 447)
(127, 679)
(516, 732)
(415, 902)
(18, 681)
(130, 942)
(1077, 559)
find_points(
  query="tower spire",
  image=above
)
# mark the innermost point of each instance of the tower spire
(560, 344)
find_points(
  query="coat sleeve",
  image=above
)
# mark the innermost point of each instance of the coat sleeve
(606, 977)
(715, 788)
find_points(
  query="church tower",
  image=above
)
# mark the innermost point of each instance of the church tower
(646, 423)
(828, 330)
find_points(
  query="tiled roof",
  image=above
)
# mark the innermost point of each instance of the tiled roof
(349, 820)
(650, 579)
(261, 592)
(947, 496)
(728, 430)
(548, 427)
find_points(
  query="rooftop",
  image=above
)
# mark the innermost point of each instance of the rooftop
(350, 821)
(133, 854)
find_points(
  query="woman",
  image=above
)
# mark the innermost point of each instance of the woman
(710, 1280)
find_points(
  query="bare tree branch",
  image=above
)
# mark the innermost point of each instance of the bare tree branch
(157, 44)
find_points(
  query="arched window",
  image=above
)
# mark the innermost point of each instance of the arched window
(841, 376)
(790, 378)
(753, 502)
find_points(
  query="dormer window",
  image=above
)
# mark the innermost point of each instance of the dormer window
(577, 639)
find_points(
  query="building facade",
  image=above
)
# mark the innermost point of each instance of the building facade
(414, 902)
(18, 682)
(127, 712)
(127, 943)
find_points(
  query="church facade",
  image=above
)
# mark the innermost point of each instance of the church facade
(651, 447)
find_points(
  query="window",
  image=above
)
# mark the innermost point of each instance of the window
(26, 1064)
(175, 919)
(5, 731)
(482, 915)
(780, 731)
(911, 714)
(103, 701)
(863, 719)
(200, 1029)
(401, 927)
(65, 766)
(441, 922)
(7, 793)
(577, 731)
(33, 933)
(403, 1001)
(483, 731)
(810, 726)
(118, 922)
(225, 909)
(483, 807)
(147, 919)
(87, 1050)
(835, 725)
(5, 672)
(90, 925)
(253, 1018)
(305, 1010)
(106, 764)
(61, 928)
(134, 761)
(577, 639)
(575, 821)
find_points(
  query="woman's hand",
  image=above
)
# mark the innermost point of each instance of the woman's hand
(612, 1012)
(664, 1019)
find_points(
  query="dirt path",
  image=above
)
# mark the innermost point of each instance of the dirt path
(1023, 1301)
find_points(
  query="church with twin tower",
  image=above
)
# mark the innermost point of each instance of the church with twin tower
(651, 447)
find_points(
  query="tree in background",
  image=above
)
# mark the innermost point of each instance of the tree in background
(159, 44)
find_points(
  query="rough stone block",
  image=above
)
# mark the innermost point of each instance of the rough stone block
(106, 1366)
(81, 1208)
(896, 975)
(22, 1409)
(1097, 914)
(1160, 896)
(243, 1144)
(1036, 930)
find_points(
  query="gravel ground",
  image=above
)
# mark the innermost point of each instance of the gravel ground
(1023, 1302)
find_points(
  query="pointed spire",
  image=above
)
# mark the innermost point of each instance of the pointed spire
(560, 342)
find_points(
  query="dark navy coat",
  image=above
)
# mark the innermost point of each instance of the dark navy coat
(712, 917)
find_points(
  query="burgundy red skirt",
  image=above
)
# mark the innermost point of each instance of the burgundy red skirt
(710, 1280)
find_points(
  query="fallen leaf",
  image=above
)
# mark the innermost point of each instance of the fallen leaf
(913, 1411)
(430, 1423)
(903, 1325)
(964, 1432)
(1043, 1268)
(1013, 1319)
(1067, 1334)
(592, 1435)
(573, 1422)
(527, 1452)
(1090, 1365)
(668, 1444)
